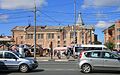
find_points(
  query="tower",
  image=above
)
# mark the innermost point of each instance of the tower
(80, 20)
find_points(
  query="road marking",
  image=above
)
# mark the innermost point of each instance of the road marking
(43, 60)
(58, 63)
(47, 69)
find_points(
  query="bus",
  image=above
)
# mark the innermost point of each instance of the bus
(78, 48)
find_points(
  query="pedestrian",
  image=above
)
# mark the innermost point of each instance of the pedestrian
(14, 49)
(59, 54)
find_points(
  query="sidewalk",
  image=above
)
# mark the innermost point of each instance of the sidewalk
(63, 58)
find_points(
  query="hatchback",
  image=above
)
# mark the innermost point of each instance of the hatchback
(98, 60)
(11, 61)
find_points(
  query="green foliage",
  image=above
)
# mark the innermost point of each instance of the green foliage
(110, 45)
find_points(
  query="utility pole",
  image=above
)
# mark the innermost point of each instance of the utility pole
(35, 29)
(74, 27)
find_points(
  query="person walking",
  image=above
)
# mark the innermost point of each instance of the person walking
(14, 49)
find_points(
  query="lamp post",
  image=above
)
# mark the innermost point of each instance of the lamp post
(35, 29)
(74, 27)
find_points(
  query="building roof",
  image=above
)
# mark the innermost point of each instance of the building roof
(38, 28)
(110, 27)
(50, 28)
(6, 38)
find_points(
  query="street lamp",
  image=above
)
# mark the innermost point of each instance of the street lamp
(74, 27)
(35, 29)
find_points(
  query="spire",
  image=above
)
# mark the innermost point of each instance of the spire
(79, 21)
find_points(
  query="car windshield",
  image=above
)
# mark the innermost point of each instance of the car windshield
(116, 54)
(19, 55)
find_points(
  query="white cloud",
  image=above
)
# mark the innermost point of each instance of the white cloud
(20, 4)
(103, 24)
(100, 3)
(3, 17)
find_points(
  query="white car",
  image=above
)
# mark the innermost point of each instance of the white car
(98, 60)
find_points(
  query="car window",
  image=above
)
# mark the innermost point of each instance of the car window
(95, 54)
(88, 54)
(9, 55)
(1, 54)
(109, 55)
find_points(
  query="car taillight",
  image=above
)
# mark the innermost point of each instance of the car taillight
(80, 56)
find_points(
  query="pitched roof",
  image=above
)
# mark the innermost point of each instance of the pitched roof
(38, 28)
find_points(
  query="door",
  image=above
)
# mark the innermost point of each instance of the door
(10, 60)
(95, 59)
(2, 64)
(111, 61)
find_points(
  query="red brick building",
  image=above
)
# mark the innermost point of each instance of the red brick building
(112, 34)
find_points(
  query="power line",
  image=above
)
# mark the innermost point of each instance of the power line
(18, 12)
(51, 18)
(20, 17)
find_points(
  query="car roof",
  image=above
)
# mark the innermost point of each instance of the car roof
(98, 51)
(4, 51)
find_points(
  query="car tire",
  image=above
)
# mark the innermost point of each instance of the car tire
(86, 68)
(23, 68)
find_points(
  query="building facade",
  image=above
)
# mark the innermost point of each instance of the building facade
(60, 36)
(112, 34)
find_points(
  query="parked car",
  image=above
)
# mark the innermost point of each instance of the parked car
(98, 60)
(11, 61)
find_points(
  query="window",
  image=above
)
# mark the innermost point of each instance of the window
(109, 55)
(118, 29)
(58, 36)
(40, 36)
(30, 36)
(58, 45)
(88, 54)
(64, 46)
(1, 54)
(64, 42)
(21, 37)
(106, 55)
(9, 55)
(95, 54)
(118, 37)
(21, 42)
(64, 35)
(58, 42)
(82, 35)
(71, 34)
(50, 35)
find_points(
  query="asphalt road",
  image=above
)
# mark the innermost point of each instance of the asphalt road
(59, 68)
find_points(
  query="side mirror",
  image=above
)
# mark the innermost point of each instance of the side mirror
(118, 58)
(15, 58)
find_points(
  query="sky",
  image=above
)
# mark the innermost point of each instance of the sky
(98, 13)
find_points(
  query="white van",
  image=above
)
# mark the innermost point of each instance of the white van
(78, 48)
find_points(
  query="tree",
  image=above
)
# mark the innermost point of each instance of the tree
(110, 45)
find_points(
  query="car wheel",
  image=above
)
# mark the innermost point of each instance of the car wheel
(86, 68)
(24, 68)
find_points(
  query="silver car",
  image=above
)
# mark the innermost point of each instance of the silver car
(98, 60)
(11, 61)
